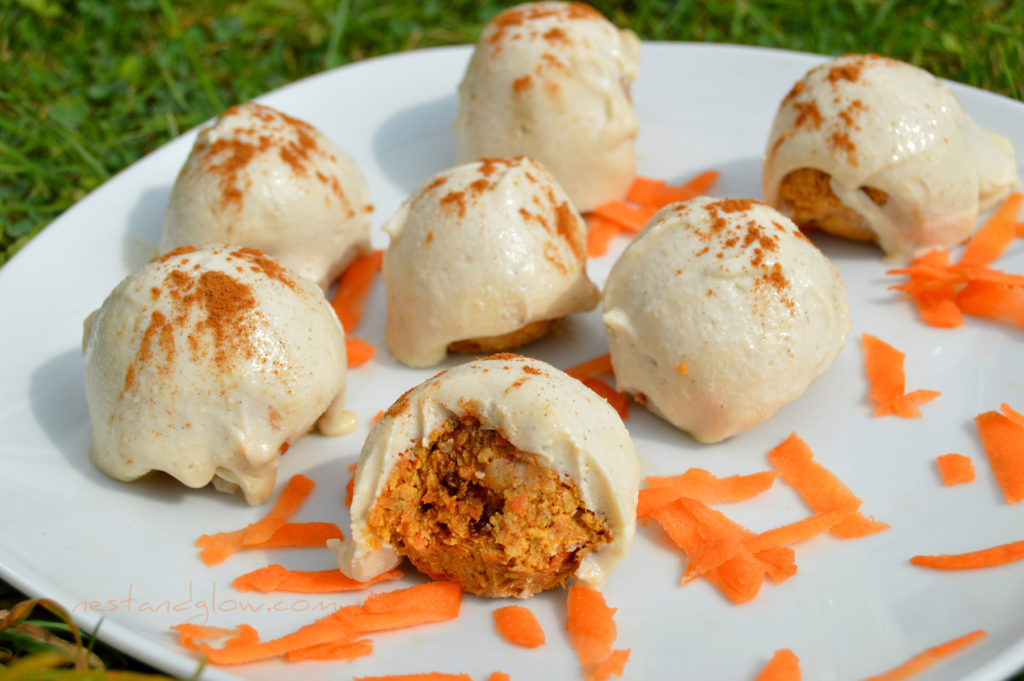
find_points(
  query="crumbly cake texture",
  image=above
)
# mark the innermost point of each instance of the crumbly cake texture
(504, 474)
(469, 507)
(260, 178)
(483, 257)
(719, 313)
(871, 148)
(551, 80)
(207, 364)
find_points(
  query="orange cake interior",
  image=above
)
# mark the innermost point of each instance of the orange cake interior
(470, 507)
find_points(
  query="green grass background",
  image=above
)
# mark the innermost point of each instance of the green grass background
(87, 87)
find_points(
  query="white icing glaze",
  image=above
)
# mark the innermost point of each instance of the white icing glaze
(481, 250)
(551, 80)
(206, 365)
(872, 121)
(733, 291)
(262, 179)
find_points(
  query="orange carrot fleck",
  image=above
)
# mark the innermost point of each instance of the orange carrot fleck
(499, 676)
(600, 232)
(779, 562)
(627, 216)
(657, 194)
(884, 366)
(350, 486)
(376, 417)
(592, 631)
(992, 300)
(820, 488)
(798, 531)
(922, 661)
(518, 625)
(995, 235)
(739, 577)
(358, 351)
(353, 290)
(682, 368)
(713, 553)
(615, 398)
(602, 364)
(614, 664)
(697, 483)
(216, 548)
(906, 405)
(428, 676)
(422, 604)
(332, 650)
(301, 536)
(784, 666)
(1010, 413)
(933, 285)
(277, 578)
(292, 496)
(1003, 441)
(990, 557)
(955, 469)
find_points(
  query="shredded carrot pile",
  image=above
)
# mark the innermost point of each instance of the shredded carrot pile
(922, 661)
(945, 291)
(735, 559)
(990, 557)
(518, 625)
(644, 198)
(820, 489)
(278, 578)
(955, 469)
(349, 303)
(587, 372)
(784, 666)
(337, 636)
(887, 380)
(592, 633)
(273, 530)
(1003, 440)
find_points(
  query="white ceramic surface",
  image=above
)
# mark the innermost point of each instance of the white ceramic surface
(124, 553)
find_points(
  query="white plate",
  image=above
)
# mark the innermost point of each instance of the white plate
(124, 553)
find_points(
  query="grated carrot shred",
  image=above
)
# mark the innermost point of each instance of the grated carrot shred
(955, 469)
(1003, 441)
(821, 489)
(926, 659)
(349, 300)
(784, 666)
(983, 558)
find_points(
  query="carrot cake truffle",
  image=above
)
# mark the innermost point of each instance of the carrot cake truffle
(505, 475)
(484, 257)
(206, 364)
(719, 313)
(551, 80)
(262, 179)
(874, 149)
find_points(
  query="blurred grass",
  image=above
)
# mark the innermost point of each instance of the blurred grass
(87, 87)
